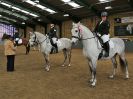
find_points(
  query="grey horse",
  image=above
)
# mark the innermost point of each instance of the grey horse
(91, 50)
(45, 47)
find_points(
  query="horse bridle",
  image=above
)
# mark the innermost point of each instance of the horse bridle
(37, 41)
(78, 37)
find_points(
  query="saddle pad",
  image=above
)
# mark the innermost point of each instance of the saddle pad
(111, 44)
(59, 43)
(20, 41)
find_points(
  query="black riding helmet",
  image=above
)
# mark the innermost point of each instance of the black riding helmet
(104, 14)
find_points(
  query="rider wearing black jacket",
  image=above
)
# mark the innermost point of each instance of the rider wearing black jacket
(102, 28)
(52, 34)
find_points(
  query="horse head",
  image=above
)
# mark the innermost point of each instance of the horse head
(76, 32)
(33, 39)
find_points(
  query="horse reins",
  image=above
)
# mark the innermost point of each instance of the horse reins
(37, 41)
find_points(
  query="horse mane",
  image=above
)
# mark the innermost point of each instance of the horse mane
(86, 29)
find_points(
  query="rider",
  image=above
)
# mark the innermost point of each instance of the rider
(52, 34)
(16, 37)
(102, 30)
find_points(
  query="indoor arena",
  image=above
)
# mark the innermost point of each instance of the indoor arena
(66, 49)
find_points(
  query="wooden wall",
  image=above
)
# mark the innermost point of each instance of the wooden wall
(90, 22)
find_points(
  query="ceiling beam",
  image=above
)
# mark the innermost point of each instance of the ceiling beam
(38, 12)
(88, 6)
(73, 17)
(130, 3)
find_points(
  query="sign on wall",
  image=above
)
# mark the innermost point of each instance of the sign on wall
(127, 19)
(124, 30)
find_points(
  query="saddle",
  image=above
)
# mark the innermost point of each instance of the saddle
(54, 48)
(103, 47)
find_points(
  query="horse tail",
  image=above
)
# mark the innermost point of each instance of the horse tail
(123, 63)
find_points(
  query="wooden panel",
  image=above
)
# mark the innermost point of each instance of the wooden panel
(40, 29)
(28, 29)
(66, 29)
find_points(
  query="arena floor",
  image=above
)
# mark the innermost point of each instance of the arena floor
(31, 81)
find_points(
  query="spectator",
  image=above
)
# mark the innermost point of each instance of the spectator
(10, 53)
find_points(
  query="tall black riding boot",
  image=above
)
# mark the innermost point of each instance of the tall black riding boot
(16, 43)
(106, 49)
(56, 47)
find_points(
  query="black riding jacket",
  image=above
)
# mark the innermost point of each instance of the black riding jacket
(16, 35)
(52, 32)
(102, 27)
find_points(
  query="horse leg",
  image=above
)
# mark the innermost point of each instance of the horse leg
(92, 76)
(65, 55)
(124, 64)
(39, 48)
(69, 57)
(92, 64)
(27, 48)
(114, 62)
(46, 56)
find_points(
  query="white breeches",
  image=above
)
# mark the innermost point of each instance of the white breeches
(54, 40)
(16, 39)
(58, 42)
(105, 38)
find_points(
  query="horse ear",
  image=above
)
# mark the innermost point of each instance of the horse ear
(79, 23)
(73, 23)
(30, 32)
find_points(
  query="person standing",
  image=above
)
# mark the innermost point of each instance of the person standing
(10, 53)
(102, 30)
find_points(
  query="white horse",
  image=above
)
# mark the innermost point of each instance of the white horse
(130, 28)
(91, 50)
(45, 45)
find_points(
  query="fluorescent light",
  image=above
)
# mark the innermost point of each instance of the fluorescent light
(104, 1)
(49, 10)
(66, 0)
(40, 6)
(39, 19)
(13, 13)
(73, 4)
(30, 2)
(26, 12)
(16, 8)
(34, 15)
(0, 15)
(9, 19)
(108, 7)
(65, 15)
(5, 4)
(23, 22)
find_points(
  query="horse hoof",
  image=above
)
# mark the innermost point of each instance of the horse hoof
(63, 65)
(69, 65)
(126, 78)
(111, 77)
(47, 69)
(92, 86)
(91, 81)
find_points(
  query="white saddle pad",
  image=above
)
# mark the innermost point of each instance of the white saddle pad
(57, 41)
(111, 44)
(20, 41)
